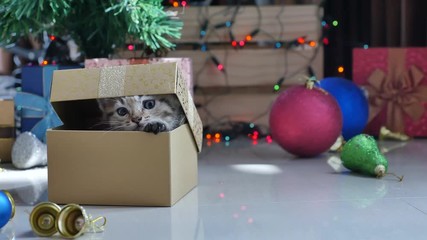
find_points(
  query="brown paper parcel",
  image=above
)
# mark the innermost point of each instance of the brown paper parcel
(7, 129)
(122, 167)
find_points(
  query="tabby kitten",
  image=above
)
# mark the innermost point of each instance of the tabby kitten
(148, 113)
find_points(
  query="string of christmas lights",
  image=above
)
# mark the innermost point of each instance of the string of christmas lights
(216, 132)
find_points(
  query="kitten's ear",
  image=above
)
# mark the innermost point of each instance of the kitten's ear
(106, 104)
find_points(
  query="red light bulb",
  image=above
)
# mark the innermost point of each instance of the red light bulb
(220, 67)
(325, 41)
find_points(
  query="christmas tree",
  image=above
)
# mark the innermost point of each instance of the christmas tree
(98, 26)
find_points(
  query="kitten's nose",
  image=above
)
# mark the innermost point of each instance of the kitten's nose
(136, 119)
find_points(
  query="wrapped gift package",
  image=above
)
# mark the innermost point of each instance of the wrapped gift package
(37, 80)
(185, 64)
(395, 80)
(99, 167)
(7, 128)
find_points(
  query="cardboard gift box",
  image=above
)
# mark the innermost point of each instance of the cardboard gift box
(395, 80)
(185, 65)
(37, 80)
(7, 129)
(120, 167)
(6, 62)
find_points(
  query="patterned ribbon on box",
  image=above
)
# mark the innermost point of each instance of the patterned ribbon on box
(112, 81)
(400, 91)
(43, 108)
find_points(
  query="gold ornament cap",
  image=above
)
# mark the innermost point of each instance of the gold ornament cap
(380, 170)
(12, 202)
(43, 218)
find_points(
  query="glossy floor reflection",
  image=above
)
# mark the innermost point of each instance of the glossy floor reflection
(249, 191)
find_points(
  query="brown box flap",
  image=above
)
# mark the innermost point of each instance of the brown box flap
(130, 80)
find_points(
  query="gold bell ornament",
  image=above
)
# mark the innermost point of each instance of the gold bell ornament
(387, 134)
(71, 221)
(43, 218)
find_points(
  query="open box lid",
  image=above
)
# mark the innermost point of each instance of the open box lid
(129, 80)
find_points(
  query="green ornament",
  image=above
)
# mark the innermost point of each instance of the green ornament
(361, 154)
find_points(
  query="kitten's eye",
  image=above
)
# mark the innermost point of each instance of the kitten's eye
(148, 104)
(122, 111)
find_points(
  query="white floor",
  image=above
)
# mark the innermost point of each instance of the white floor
(259, 191)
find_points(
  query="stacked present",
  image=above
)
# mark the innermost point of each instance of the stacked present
(37, 113)
(7, 129)
(395, 80)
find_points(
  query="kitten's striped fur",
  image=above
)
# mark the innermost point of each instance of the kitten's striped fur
(148, 113)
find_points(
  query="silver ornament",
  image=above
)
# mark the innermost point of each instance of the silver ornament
(28, 151)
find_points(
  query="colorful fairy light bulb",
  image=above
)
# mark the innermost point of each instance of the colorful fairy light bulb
(325, 41)
(301, 40)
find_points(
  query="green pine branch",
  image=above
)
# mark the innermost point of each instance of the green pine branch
(98, 25)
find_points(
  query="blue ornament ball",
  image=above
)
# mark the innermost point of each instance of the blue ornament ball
(353, 104)
(6, 208)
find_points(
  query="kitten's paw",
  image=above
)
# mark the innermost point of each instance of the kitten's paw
(155, 127)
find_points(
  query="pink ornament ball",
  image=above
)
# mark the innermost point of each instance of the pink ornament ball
(305, 122)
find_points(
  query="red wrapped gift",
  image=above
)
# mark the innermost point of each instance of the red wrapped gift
(396, 82)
